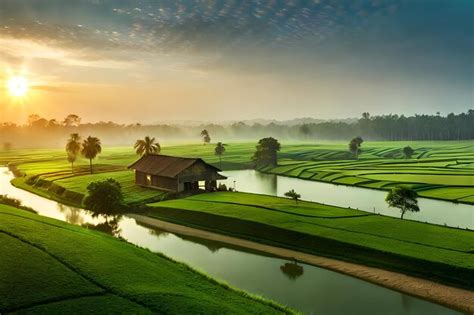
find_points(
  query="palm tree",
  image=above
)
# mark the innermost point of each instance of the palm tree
(292, 194)
(147, 146)
(219, 151)
(91, 148)
(73, 146)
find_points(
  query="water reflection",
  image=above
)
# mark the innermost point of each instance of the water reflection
(110, 226)
(304, 287)
(292, 270)
(71, 214)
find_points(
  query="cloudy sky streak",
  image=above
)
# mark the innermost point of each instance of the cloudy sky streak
(136, 60)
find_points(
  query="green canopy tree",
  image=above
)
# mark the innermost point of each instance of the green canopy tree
(91, 147)
(73, 147)
(105, 198)
(266, 153)
(147, 146)
(408, 152)
(219, 151)
(404, 199)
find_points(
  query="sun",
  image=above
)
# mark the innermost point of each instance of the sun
(17, 86)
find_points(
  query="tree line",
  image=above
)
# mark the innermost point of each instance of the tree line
(45, 132)
(397, 127)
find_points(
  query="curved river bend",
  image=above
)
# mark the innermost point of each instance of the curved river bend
(307, 288)
(371, 200)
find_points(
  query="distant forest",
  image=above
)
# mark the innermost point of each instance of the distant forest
(45, 132)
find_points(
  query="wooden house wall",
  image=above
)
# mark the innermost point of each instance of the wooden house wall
(140, 178)
(198, 172)
(164, 182)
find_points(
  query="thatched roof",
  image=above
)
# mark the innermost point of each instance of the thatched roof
(165, 165)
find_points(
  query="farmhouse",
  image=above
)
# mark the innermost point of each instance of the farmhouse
(176, 174)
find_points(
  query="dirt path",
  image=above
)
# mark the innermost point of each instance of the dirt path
(456, 298)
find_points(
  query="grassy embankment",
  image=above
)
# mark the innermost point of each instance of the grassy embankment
(70, 269)
(420, 249)
(441, 170)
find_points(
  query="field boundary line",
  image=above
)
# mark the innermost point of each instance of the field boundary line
(53, 300)
(73, 269)
(283, 211)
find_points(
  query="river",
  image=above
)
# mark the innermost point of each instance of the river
(307, 288)
(371, 200)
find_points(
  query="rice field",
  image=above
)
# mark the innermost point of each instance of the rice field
(440, 169)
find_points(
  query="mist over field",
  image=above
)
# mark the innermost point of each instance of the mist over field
(42, 132)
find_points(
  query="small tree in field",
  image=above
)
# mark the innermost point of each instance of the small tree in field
(404, 199)
(219, 151)
(408, 152)
(292, 194)
(206, 138)
(105, 198)
(354, 146)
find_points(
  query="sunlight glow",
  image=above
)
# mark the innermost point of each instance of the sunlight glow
(17, 86)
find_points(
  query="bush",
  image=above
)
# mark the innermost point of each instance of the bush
(14, 203)
(222, 187)
(55, 188)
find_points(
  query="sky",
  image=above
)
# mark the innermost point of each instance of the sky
(149, 60)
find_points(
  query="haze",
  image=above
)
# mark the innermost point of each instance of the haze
(149, 61)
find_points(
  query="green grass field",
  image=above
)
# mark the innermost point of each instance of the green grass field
(441, 170)
(423, 249)
(51, 267)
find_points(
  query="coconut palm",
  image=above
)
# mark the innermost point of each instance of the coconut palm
(147, 146)
(73, 147)
(91, 147)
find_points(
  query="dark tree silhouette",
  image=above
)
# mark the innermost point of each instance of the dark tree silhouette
(266, 153)
(408, 152)
(219, 151)
(206, 138)
(91, 147)
(73, 147)
(105, 198)
(354, 146)
(292, 270)
(147, 146)
(292, 194)
(72, 120)
(404, 199)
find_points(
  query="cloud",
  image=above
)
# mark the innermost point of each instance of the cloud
(27, 49)
(52, 89)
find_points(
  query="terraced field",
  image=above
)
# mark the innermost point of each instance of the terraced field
(73, 270)
(442, 170)
(407, 246)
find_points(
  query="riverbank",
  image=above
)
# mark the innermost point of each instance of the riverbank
(80, 269)
(423, 250)
(456, 298)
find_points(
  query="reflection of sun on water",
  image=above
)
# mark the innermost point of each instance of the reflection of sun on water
(17, 86)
